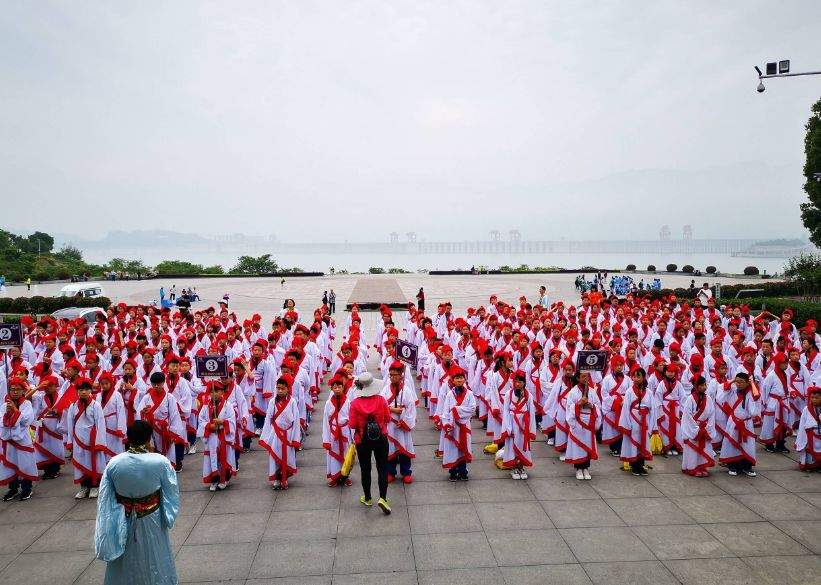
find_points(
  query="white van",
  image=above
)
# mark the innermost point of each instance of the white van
(88, 290)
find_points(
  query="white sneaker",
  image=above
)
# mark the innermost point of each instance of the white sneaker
(732, 472)
(277, 484)
(749, 473)
(561, 457)
(579, 474)
(514, 473)
(192, 449)
(93, 492)
(586, 474)
(551, 442)
(222, 486)
(212, 487)
(522, 474)
(82, 494)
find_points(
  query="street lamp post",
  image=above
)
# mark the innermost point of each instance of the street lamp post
(778, 69)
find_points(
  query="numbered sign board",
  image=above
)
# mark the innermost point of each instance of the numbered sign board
(591, 360)
(407, 352)
(11, 335)
(211, 366)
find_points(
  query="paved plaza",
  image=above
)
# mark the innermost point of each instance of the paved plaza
(665, 528)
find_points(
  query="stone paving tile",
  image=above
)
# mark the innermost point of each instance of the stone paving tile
(715, 509)
(681, 542)
(37, 509)
(636, 573)
(592, 545)
(95, 574)
(437, 492)
(529, 547)
(215, 561)
(513, 516)
(814, 499)
(315, 497)
(779, 506)
(398, 578)
(373, 554)
(562, 489)
(481, 576)
(499, 490)
(233, 501)
(648, 511)
(795, 481)
(452, 551)
(41, 568)
(16, 538)
(713, 572)
(5, 560)
(750, 538)
(66, 535)
(624, 487)
(293, 558)
(301, 524)
(580, 513)
(364, 521)
(308, 580)
(541, 574)
(744, 485)
(787, 570)
(228, 528)
(807, 532)
(194, 503)
(677, 484)
(444, 518)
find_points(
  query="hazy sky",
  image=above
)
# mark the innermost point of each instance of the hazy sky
(327, 120)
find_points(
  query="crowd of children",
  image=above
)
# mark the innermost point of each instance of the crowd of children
(707, 383)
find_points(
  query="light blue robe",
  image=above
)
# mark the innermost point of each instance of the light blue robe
(138, 550)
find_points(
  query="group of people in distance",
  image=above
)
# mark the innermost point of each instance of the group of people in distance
(705, 382)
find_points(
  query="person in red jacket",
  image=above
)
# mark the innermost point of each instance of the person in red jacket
(368, 418)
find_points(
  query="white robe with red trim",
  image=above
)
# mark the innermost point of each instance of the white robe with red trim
(49, 442)
(457, 412)
(582, 424)
(808, 439)
(495, 394)
(698, 432)
(336, 435)
(775, 408)
(219, 458)
(637, 423)
(739, 430)
(164, 417)
(612, 394)
(669, 396)
(557, 411)
(518, 429)
(115, 423)
(16, 448)
(86, 437)
(280, 436)
(400, 426)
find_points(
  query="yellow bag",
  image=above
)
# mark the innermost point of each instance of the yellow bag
(656, 445)
(347, 463)
(491, 448)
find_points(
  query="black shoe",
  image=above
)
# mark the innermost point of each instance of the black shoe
(51, 475)
(25, 495)
(769, 448)
(452, 477)
(463, 477)
(10, 495)
(782, 450)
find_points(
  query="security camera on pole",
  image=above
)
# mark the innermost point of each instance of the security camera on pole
(778, 69)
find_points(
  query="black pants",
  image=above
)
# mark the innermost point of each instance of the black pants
(379, 448)
(637, 465)
(179, 451)
(582, 465)
(615, 446)
(51, 469)
(18, 483)
(332, 307)
(740, 465)
(259, 421)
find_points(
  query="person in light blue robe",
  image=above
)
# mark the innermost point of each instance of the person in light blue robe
(138, 503)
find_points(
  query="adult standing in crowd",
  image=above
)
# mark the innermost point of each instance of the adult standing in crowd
(138, 503)
(420, 299)
(332, 302)
(368, 418)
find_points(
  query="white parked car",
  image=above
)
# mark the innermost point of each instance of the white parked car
(88, 290)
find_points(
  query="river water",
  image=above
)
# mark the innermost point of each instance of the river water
(362, 262)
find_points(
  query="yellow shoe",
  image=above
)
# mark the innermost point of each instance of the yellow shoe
(491, 448)
(386, 507)
(366, 501)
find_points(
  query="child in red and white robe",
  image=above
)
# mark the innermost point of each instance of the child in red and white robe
(48, 444)
(18, 468)
(159, 409)
(583, 415)
(775, 407)
(612, 389)
(518, 427)
(698, 430)
(637, 422)
(281, 434)
(669, 396)
(114, 413)
(336, 436)
(808, 439)
(738, 447)
(86, 437)
(217, 427)
(401, 399)
(457, 412)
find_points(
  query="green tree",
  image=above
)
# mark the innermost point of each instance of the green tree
(804, 271)
(251, 265)
(178, 267)
(70, 253)
(811, 210)
(116, 265)
(40, 242)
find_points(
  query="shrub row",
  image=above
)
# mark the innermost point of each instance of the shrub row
(803, 309)
(689, 269)
(729, 291)
(44, 305)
